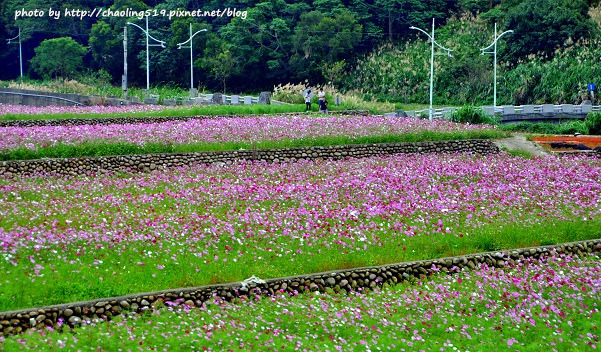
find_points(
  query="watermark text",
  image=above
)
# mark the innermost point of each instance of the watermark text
(127, 13)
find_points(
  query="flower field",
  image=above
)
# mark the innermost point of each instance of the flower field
(552, 305)
(68, 239)
(95, 109)
(225, 130)
(65, 239)
(19, 112)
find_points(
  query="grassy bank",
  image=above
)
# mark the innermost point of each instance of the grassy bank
(105, 149)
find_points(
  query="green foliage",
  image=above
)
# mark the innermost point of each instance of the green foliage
(473, 115)
(58, 57)
(541, 26)
(325, 40)
(334, 71)
(261, 43)
(560, 80)
(570, 127)
(396, 15)
(107, 48)
(477, 6)
(220, 63)
(319, 40)
(593, 123)
(400, 73)
(519, 153)
(100, 79)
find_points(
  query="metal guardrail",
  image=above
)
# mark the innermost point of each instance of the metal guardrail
(207, 99)
(516, 110)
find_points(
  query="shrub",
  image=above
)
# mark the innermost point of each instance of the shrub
(472, 114)
(571, 127)
(593, 123)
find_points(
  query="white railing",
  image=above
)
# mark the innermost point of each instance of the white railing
(207, 99)
(516, 110)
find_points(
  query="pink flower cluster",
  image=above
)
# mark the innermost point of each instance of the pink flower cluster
(224, 129)
(350, 205)
(95, 109)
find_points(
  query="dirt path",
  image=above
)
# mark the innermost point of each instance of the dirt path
(519, 142)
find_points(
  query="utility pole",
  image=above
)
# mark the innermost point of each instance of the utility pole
(124, 78)
(448, 53)
(20, 51)
(494, 45)
(180, 46)
(161, 44)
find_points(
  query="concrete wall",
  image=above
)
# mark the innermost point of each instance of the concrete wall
(14, 96)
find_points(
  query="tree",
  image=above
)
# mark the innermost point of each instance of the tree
(58, 57)
(477, 6)
(397, 16)
(107, 48)
(334, 71)
(542, 26)
(319, 40)
(261, 43)
(219, 62)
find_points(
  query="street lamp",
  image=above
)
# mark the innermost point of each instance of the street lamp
(432, 59)
(494, 45)
(161, 44)
(20, 51)
(179, 46)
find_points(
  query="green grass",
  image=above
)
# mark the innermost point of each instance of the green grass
(105, 149)
(519, 152)
(81, 272)
(570, 127)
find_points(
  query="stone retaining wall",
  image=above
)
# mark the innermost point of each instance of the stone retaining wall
(150, 162)
(72, 314)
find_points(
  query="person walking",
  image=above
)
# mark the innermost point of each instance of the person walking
(321, 95)
(308, 100)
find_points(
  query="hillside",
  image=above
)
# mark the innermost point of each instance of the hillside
(366, 46)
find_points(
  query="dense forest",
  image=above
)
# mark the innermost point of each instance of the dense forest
(363, 45)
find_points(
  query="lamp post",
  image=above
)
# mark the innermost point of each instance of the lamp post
(161, 44)
(494, 52)
(448, 53)
(20, 51)
(124, 77)
(180, 46)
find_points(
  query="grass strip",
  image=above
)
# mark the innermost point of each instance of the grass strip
(95, 149)
(83, 272)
